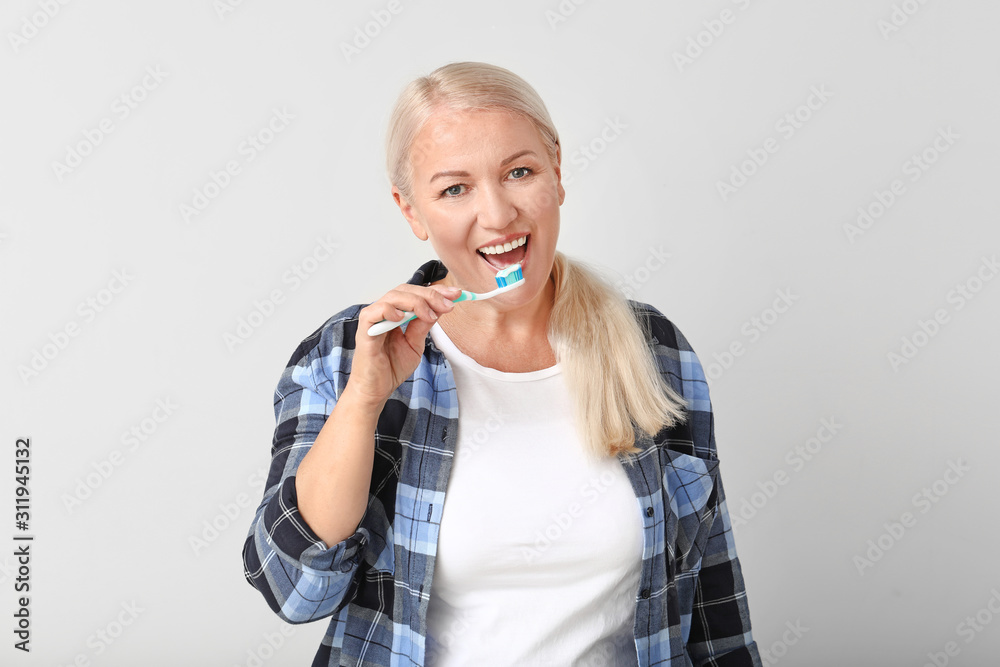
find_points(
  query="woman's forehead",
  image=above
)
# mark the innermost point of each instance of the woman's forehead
(453, 133)
(447, 119)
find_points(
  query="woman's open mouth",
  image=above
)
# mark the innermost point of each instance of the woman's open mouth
(505, 254)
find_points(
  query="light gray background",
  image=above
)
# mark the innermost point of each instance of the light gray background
(680, 131)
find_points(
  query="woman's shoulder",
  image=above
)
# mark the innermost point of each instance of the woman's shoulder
(674, 355)
(322, 361)
(336, 334)
(662, 331)
(683, 371)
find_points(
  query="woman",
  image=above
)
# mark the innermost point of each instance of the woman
(526, 480)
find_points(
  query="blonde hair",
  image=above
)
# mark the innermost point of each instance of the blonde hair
(591, 325)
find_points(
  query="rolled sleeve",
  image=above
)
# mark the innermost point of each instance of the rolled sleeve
(301, 578)
(290, 535)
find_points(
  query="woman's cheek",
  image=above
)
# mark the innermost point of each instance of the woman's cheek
(542, 199)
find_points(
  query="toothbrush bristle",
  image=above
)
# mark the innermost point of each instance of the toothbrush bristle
(512, 274)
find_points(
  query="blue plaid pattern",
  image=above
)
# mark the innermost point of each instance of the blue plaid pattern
(691, 606)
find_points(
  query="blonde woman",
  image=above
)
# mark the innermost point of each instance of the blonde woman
(529, 480)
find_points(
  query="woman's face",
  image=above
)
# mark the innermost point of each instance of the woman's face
(483, 179)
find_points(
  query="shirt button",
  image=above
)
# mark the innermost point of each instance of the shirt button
(644, 594)
(444, 434)
(649, 511)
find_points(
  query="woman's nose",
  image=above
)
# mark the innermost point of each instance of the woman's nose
(496, 208)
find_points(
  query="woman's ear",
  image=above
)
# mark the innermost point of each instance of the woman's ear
(411, 216)
(560, 188)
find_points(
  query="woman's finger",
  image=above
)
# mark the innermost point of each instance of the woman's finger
(427, 302)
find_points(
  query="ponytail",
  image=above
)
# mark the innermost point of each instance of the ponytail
(602, 350)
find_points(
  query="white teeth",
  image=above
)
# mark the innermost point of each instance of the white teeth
(506, 247)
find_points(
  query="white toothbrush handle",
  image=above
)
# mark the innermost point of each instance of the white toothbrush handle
(388, 325)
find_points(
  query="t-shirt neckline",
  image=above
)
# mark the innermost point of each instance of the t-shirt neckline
(456, 356)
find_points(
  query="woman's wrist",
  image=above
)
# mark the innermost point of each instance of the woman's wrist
(361, 402)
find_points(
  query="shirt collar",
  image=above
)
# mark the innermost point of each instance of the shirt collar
(429, 272)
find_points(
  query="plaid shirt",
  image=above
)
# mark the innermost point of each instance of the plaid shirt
(690, 608)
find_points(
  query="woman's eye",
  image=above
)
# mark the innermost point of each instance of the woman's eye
(453, 191)
(519, 172)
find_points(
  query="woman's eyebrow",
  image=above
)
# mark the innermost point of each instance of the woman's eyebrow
(465, 174)
(515, 156)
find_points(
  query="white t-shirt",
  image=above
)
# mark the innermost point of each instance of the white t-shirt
(540, 545)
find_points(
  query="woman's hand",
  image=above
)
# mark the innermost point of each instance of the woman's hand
(332, 481)
(381, 363)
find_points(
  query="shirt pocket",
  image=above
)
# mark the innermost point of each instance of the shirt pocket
(690, 498)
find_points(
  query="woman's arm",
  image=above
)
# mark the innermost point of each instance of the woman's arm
(333, 479)
(301, 576)
(334, 476)
(308, 537)
(720, 631)
(720, 617)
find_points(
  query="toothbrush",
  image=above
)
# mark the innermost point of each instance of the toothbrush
(507, 279)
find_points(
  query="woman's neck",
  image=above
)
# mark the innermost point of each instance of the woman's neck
(513, 341)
